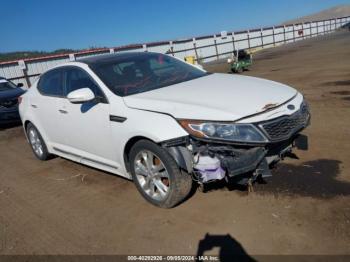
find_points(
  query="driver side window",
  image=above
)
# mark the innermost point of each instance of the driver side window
(76, 78)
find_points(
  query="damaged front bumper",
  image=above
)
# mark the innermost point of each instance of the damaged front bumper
(244, 163)
(239, 163)
(206, 158)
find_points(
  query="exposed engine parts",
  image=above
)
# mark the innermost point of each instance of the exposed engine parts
(209, 162)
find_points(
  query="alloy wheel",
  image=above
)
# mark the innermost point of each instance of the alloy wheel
(35, 142)
(152, 175)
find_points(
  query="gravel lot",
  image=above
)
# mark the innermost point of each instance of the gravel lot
(60, 207)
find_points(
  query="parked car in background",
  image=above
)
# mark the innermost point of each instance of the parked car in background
(9, 93)
(162, 122)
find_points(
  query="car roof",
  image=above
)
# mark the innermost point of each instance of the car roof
(101, 59)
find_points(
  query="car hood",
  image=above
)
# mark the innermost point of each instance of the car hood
(11, 93)
(220, 97)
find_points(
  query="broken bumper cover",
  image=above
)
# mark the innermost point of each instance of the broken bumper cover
(256, 159)
(237, 161)
(242, 159)
(283, 133)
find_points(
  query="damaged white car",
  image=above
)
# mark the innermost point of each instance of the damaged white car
(162, 122)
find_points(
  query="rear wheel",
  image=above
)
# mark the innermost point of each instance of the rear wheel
(157, 176)
(37, 143)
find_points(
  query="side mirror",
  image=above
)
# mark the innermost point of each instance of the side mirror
(20, 85)
(80, 96)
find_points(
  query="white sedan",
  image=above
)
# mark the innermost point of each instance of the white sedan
(162, 122)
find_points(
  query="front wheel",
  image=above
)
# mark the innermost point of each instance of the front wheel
(37, 142)
(157, 176)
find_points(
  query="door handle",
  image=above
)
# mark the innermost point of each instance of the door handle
(63, 111)
(34, 105)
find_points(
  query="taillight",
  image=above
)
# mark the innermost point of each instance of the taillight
(19, 99)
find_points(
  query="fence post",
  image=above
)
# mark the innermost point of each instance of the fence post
(330, 27)
(284, 34)
(322, 25)
(335, 24)
(144, 47)
(216, 47)
(233, 41)
(171, 48)
(195, 49)
(248, 37)
(262, 37)
(22, 65)
(310, 29)
(273, 36)
(71, 57)
(317, 28)
(302, 30)
(293, 32)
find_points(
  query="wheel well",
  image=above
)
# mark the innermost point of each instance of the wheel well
(26, 124)
(128, 147)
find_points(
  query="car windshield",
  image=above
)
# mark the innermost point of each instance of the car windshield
(144, 72)
(5, 85)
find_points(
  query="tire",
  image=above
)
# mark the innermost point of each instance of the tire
(160, 181)
(37, 143)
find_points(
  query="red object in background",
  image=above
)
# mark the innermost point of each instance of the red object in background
(300, 32)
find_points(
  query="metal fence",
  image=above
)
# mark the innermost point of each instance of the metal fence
(203, 48)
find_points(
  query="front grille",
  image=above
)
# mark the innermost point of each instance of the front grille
(9, 103)
(284, 127)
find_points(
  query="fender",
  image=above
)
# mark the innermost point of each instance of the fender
(182, 156)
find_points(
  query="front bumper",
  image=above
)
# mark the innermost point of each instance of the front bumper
(9, 115)
(243, 163)
(240, 160)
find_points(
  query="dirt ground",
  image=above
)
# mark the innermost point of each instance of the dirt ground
(61, 207)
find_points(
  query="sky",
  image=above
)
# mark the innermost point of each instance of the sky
(47, 25)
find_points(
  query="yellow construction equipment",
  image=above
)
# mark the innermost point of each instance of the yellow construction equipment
(190, 59)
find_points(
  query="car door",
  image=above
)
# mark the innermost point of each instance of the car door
(87, 126)
(45, 106)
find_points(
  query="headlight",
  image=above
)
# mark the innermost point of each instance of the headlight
(246, 133)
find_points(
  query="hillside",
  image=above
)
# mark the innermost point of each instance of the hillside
(337, 11)
(31, 54)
